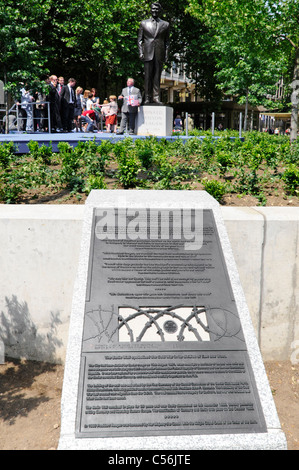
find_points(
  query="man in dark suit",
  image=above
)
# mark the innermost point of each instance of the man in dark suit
(132, 99)
(53, 98)
(153, 44)
(67, 101)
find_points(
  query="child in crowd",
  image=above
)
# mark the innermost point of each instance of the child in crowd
(111, 116)
(105, 111)
(89, 117)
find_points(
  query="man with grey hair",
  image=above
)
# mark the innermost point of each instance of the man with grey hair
(153, 44)
(132, 99)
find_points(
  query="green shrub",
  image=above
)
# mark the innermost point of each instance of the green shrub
(163, 171)
(70, 165)
(225, 160)
(93, 156)
(128, 165)
(247, 181)
(215, 188)
(11, 184)
(293, 152)
(145, 156)
(291, 179)
(145, 151)
(10, 190)
(208, 147)
(94, 182)
(128, 169)
(193, 147)
(41, 153)
(6, 154)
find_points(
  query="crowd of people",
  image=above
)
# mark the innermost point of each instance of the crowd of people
(68, 108)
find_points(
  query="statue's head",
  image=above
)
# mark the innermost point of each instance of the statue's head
(156, 9)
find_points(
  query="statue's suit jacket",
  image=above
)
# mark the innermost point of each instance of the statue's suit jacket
(153, 41)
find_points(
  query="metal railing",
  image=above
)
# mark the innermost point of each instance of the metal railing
(27, 117)
(240, 124)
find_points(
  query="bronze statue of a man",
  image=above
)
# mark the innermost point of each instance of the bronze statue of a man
(153, 44)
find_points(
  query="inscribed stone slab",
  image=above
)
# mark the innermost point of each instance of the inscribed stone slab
(163, 343)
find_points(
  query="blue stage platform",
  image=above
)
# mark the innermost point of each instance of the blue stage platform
(21, 140)
(73, 138)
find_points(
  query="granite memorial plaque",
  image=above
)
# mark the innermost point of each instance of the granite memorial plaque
(163, 349)
(161, 352)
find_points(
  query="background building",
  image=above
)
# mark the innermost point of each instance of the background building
(179, 91)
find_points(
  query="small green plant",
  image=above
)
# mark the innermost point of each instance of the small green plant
(293, 152)
(225, 161)
(6, 154)
(128, 169)
(145, 155)
(70, 165)
(163, 172)
(93, 156)
(145, 150)
(209, 147)
(262, 200)
(247, 181)
(41, 153)
(11, 185)
(215, 188)
(128, 165)
(94, 182)
(291, 179)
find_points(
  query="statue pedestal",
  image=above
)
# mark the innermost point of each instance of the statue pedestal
(154, 120)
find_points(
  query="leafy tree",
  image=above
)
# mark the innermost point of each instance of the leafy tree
(21, 56)
(257, 40)
(94, 41)
(191, 41)
(284, 29)
(244, 74)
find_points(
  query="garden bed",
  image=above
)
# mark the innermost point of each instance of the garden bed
(261, 170)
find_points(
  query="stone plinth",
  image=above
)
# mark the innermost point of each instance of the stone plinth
(154, 120)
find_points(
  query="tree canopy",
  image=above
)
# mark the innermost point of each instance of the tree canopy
(22, 58)
(241, 47)
(256, 42)
(93, 40)
(68, 38)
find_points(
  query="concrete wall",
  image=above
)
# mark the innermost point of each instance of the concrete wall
(265, 244)
(39, 251)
